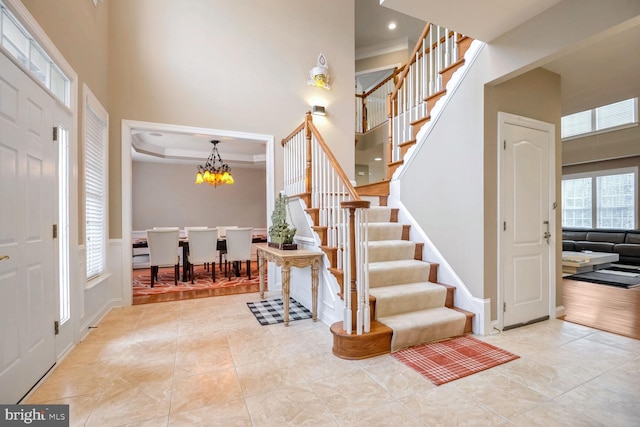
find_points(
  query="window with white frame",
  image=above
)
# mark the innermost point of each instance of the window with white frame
(607, 117)
(603, 199)
(19, 44)
(96, 140)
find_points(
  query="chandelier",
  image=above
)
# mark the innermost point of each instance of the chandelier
(214, 172)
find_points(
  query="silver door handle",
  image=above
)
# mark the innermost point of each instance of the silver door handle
(3, 257)
(546, 234)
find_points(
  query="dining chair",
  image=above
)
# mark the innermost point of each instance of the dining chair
(163, 251)
(186, 235)
(202, 249)
(239, 248)
(222, 234)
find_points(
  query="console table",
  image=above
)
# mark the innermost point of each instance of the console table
(286, 259)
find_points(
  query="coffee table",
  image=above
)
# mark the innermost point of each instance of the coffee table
(579, 262)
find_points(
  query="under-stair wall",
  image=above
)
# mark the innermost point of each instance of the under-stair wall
(330, 305)
(445, 180)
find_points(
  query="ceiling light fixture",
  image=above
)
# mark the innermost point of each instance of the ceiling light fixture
(392, 25)
(214, 172)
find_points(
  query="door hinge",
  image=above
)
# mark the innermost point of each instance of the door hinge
(504, 226)
(55, 231)
(55, 133)
(504, 307)
(504, 144)
(56, 327)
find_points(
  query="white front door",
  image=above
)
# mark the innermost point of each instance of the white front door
(28, 279)
(526, 168)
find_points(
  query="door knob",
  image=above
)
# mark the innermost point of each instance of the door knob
(3, 257)
(546, 234)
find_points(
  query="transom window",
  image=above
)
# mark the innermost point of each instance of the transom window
(604, 199)
(610, 117)
(19, 44)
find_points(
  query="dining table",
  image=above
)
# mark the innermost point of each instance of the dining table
(221, 247)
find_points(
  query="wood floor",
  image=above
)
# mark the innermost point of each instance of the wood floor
(603, 307)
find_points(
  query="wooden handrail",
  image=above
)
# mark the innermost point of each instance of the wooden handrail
(334, 162)
(393, 75)
(404, 73)
(295, 131)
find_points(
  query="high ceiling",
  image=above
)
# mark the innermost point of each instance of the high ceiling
(597, 73)
(585, 82)
(371, 35)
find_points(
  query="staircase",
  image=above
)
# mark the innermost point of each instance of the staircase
(408, 306)
(392, 298)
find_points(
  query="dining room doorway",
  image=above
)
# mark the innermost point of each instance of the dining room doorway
(176, 154)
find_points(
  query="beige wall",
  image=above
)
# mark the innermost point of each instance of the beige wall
(535, 95)
(164, 195)
(602, 146)
(384, 61)
(237, 65)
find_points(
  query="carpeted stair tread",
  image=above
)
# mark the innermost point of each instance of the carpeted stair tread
(391, 250)
(379, 214)
(384, 231)
(398, 272)
(398, 299)
(423, 326)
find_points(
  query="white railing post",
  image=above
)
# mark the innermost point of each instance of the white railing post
(362, 262)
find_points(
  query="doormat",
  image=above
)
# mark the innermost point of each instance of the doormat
(269, 312)
(454, 358)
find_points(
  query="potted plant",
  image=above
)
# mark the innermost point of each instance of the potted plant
(280, 234)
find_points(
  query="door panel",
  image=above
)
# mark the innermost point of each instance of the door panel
(525, 207)
(28, 196)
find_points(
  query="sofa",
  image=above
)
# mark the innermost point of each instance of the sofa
(626, 243)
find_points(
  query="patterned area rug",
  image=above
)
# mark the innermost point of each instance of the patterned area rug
(203, 286)
(454, 358)
(269, 312)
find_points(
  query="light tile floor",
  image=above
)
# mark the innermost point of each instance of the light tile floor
(208, 362)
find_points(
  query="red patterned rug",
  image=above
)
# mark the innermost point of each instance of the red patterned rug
(454, 358)
(164, 289)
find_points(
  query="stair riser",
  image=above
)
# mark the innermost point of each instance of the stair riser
(424, 326)
(394, 276)
(387, 231)
(380, 214)
(407, 303)
(391, 253)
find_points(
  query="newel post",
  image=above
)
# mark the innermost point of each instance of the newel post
(352, 298)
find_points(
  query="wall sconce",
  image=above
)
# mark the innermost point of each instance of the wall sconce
(318, 110)
(319, 75)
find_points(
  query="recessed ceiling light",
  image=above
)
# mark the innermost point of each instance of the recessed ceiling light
(392, 26)
(377, 159)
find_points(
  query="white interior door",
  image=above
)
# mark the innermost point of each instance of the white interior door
(526, 167)
(28, 198)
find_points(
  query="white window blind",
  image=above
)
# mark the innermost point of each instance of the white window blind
(617, 114)
(623, 113)
(95, 149)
